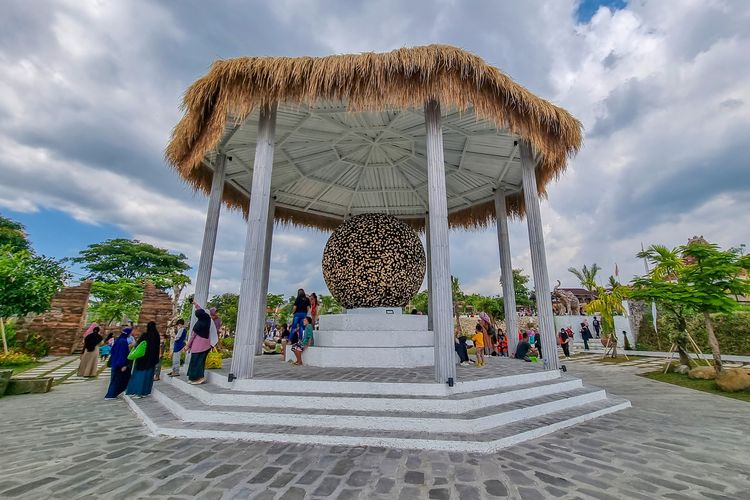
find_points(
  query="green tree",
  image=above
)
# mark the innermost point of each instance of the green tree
(113, 302)
(586, 276)
(116, 259)
(608, 303)
(714, 277)
(27, 284)
(227, 305)
(13, 235)
(420, 302)
(696, 277)
(328, 305)
(521, 289)
(274, 301)
(458, 298)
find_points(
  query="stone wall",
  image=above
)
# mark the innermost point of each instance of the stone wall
(156, 306)
(62, 326)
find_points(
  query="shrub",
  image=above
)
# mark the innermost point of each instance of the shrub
(732, 332)
(214, 359)
(36, 346)
(10, 333)
(227, 342)
(15, 358)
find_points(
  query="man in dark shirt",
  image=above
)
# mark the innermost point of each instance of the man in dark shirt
(522, 350)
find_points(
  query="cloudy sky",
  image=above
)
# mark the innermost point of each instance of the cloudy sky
(89, 92)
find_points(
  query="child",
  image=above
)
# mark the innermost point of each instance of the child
(106, 348)
(478, 340)
(307, 341)
(502, 344)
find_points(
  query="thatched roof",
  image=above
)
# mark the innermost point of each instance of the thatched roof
(403, 79)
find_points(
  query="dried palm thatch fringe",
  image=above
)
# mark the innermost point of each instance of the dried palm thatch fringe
(402, 79)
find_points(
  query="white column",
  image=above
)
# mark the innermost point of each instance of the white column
(249, 319)
(442, 303)
(506, 270)
(266, 273)
(429, 269)
(538, 259)
(203, 278)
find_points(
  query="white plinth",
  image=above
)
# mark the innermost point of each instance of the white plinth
(373, 322)
(370, 339)
(374, 310)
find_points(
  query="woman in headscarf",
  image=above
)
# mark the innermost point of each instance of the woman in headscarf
(120, 366)
(216, 319)
(488, 331)
(199, 345)
(142, 379)
(89, 357)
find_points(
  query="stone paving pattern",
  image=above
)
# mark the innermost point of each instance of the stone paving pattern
(674, 443)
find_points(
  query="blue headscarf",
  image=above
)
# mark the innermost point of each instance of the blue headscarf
(119, 354)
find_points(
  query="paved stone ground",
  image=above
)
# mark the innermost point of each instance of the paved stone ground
(675, 443)
(64, 369)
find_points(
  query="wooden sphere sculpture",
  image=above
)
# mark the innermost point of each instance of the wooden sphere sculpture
(373, 260)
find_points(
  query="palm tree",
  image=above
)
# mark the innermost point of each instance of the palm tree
(666, 263)
(586, 276)
(607, 304)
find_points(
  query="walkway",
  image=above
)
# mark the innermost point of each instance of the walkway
(644, 364)
(674, 443)
(64, 369)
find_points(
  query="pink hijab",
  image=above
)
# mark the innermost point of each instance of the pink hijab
(90, 329)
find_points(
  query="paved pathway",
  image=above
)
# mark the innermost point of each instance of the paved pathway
(644, 364)
(64, 369)
(674, 443)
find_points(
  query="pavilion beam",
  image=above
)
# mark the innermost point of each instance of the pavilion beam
(539, 259)
(506, 272)
(205, 264)
(442, 303)
(249, 319)
(266, 274)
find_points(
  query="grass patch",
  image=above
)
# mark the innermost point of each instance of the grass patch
(620, 359)
(696, 384)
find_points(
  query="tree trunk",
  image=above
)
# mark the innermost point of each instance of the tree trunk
(684, 358)
(713, 342)
(2, 334)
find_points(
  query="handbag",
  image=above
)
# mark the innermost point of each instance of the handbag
(138, 352)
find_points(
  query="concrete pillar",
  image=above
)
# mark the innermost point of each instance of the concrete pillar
(203, 278)
(442, 301)
(429, 269)
(249, 319)
(266, 273)
(539, 259)
(506, 270)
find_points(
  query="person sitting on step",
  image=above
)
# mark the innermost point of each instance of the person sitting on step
(306, 341)
(523, 348)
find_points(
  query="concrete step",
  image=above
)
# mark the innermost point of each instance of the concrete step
(318, 382)
(372, 322)
(457, 403)
(188, 409)
(161, 421)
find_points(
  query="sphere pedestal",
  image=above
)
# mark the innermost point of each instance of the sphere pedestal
(376, 339)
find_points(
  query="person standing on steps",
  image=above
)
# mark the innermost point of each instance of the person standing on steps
(177, 346)
(478, 340)
(203, 337)
(314, 308)
(307, 341)
(146, 357)
(300, 312)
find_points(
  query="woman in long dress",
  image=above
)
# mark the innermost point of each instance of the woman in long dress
(142, 379)
(199, 345)
(120, 365)
(90, 357)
